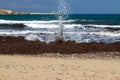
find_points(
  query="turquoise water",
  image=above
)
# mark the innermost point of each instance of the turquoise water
(77, 27)
(96, 18)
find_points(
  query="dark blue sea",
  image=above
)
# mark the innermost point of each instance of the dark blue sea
(77, 27)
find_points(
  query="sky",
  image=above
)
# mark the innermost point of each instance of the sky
(75, 6)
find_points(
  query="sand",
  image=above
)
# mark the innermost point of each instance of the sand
(18, 67)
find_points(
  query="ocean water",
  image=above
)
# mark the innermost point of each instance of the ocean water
(77, 27)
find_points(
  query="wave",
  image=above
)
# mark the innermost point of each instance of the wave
(97, 22)
(47, 36)
(66, 26)
(105, 27)
(54, 24)
(34, 22)
(46, 31)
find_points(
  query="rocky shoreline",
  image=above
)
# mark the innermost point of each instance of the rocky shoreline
(18, 45)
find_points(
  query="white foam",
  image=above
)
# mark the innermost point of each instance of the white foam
(104, 26)
(34, 22)
(78, 36)
(39, 24)
(111, 34)
(25, 32)
(52, 25)
(33, 37)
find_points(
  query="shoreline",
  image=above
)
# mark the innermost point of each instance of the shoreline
(97, 55)
(18, 45)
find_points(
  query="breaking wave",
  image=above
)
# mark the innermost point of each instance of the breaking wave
(46, 30)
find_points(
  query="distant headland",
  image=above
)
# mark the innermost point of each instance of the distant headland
(6, 11)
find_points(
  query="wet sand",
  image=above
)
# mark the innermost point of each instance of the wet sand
(23, 67)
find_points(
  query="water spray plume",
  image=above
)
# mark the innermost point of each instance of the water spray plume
(60, 36)
(62, 10)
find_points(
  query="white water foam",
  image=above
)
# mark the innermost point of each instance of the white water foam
(37, 31)
(39, 24)
(104, 26)
(33, 37)
(53, 24)
(48, 36)
(35, 21)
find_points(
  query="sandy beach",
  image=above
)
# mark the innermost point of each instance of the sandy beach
(23, 67)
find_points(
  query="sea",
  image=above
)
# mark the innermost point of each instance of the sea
(104, 28)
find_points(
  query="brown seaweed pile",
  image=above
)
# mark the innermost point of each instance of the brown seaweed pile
(18, 45)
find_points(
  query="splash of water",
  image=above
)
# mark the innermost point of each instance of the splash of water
(60, 36)
(63, 8)
(63, 13)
